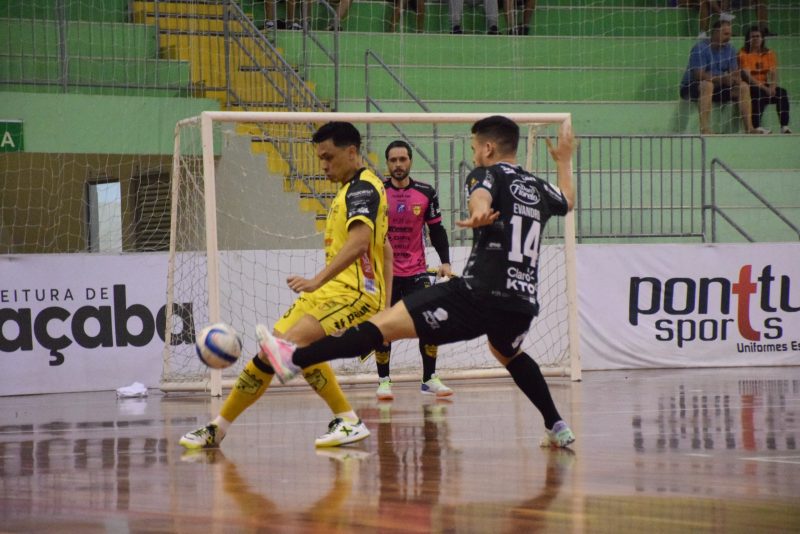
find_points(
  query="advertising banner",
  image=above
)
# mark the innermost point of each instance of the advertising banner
(716, 305)
(80, 322)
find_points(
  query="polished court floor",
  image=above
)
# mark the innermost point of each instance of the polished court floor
(712, 450)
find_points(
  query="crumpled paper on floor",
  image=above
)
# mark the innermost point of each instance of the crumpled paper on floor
(137, 389)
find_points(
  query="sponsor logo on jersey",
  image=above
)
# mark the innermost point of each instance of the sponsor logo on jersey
(416, 209)
(434, 318)
(401, 208)
(524, 192)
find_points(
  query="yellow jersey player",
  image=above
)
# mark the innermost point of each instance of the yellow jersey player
(350, 289)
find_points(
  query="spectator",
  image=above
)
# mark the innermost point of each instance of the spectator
(412, 5)
(713, 76)
(759, 67)
(710, 8)
(457, 10)
(515, 26)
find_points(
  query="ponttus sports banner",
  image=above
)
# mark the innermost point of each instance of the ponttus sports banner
(653, 306)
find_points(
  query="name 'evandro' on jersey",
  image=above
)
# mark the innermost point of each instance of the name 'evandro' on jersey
(504, 260)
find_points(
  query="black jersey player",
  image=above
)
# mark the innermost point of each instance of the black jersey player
(496, 296)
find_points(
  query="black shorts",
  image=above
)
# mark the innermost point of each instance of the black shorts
(692, 92)
(451, 311)
(405, 285)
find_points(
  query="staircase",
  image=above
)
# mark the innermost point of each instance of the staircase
(232, 62)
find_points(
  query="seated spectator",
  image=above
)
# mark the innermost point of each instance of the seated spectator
(513, 22)
(713, 76)
(457, 10)
(412, 5)
(759, 67)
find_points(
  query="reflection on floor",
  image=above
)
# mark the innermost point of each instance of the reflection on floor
(662, 451)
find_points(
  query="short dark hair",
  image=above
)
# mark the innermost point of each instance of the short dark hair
(399, 143)
(718, 24)
(343, 134)
(502, 130)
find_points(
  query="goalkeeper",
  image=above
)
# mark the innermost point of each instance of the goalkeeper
(412, 205)
(496, 295)
(348, 290)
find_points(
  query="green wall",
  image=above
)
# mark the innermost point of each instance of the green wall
(86, 124)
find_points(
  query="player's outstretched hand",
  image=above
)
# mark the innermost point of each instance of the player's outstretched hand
(298, 284)
(566, 144)
(444, 271)
(479, 218)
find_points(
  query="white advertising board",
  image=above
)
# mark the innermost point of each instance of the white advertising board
(646, 306)
(80, 322)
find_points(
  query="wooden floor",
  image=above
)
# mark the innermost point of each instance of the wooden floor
(657, 451)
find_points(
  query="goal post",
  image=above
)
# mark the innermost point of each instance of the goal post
(248, 204)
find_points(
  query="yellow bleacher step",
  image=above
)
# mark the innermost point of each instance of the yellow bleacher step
(311, 204)
(193, 23)
(177, 8)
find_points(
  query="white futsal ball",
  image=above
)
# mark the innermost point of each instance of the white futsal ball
(218, 346)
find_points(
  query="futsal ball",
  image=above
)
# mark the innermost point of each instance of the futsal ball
(218, 346)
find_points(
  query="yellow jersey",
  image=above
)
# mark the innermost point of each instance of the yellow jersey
(362, 199)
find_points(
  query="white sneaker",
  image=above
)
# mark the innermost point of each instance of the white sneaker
(341, 432)
(434, 386)
(761, 130)
(205, 437)
(279, 353)
(384, 391)
(559, 436)
(785, 130)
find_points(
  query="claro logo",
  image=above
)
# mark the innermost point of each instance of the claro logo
(696, 299)
(109, 326)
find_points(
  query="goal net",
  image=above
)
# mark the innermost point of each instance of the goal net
(249, 203)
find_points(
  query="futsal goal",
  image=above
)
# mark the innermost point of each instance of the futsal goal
(248, 205)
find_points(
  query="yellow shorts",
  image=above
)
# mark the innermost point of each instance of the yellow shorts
(335, 310)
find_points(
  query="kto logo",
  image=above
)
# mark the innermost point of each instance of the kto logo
(113, 328)
(697, 298)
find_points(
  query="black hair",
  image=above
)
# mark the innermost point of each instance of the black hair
(718, 24)
(747, 39)
(342, 134)
(399, 143)
(502, 130)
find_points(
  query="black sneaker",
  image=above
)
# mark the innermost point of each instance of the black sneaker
(493, 30)
(456, 30)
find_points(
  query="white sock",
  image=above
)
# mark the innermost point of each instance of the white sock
(350, 417)
(222, 423)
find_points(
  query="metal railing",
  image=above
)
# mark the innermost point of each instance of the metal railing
(639, 187)
(374, 104)
(716, 210)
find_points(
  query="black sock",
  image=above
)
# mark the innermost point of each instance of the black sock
(356, 341)
(382, 356)
(428, 360)
(262, 366)
(529, 379)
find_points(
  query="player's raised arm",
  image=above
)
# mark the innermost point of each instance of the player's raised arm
(562, 155)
